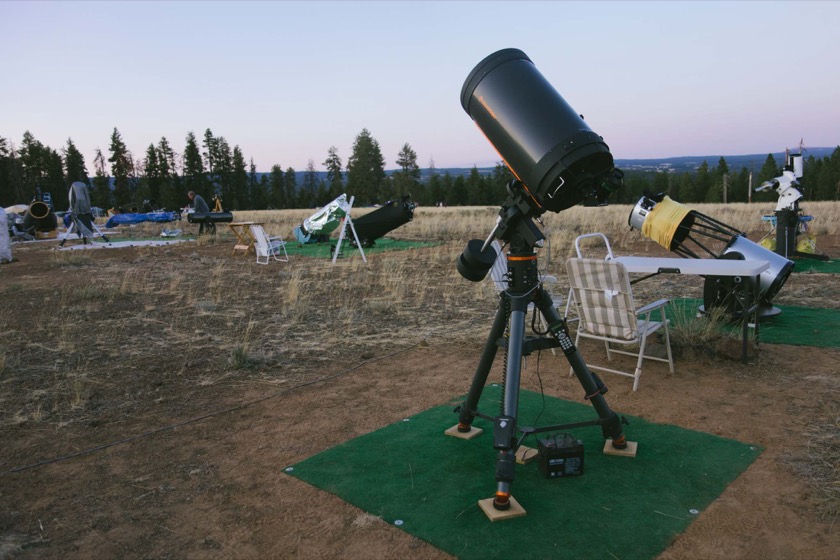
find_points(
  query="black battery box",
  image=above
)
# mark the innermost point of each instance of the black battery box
(560, 455)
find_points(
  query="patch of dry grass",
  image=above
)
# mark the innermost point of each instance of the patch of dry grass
(819, 464)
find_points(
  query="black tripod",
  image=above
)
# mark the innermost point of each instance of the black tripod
(524, 288)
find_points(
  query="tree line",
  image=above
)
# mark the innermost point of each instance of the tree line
(161, 177)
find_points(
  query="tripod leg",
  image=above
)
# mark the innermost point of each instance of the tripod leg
(504, 431)
(66, 233)
(590, 382)
(467, 414)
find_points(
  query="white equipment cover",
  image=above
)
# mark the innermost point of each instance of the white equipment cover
(328, 218)
(5, 243)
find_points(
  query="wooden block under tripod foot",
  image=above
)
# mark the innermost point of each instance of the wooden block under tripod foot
(525, 454)
(629, 451)
(453, 431)
(494, 514)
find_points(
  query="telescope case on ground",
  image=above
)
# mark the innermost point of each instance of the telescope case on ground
(210, 217)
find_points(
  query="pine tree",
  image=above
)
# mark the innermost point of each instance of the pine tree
(685, 188)
(54, 182)
(153, 176)
(834, 162)
(447, 186)
(497, 184)
(256, 196)
(474, 188)
(263, 201)
(407, 178)
(101, 195)
(291, 188)
(171, 196)
(277, 184)
(222, 175)
(770, 170)
(239, 181)
(739, 184)
(121, 169)
(457, 195)
(826, 183)
(334, 180)
(702, 183)
(7, 189)
(209, 154)
(194, 177)
(33, 165)
(435, 191)
(365, 169)
(309, 193)
(661, 182)
(719, 176)
(74, 164)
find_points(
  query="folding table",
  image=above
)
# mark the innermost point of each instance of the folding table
(748, 302)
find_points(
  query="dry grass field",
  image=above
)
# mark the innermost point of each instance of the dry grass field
(150, 396)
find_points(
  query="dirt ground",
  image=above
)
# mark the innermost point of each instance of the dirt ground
(151, 397)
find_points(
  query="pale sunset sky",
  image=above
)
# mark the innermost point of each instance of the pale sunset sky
(287, 80)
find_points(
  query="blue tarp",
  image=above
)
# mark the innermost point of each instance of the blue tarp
(118, 219)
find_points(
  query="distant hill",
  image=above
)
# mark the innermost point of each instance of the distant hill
(673, 164)
(690, 163)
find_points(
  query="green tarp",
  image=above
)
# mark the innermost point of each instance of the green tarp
(426, 483)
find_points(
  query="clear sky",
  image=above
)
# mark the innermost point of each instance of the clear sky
(287, 80)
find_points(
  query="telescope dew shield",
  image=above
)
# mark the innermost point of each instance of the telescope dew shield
(543, 141)
(40, 216)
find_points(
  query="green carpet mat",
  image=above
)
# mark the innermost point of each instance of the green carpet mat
(810, 265)
(799, 326)
(322, 250)
(413, 476)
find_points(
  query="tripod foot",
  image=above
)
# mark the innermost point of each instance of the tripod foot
(525, 454)
(454, 431)
(629, 449)
(488, 506)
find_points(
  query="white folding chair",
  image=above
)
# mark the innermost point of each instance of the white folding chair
(267, 247)
(607, 312)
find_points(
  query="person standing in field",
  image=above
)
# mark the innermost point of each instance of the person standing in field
(200, 207)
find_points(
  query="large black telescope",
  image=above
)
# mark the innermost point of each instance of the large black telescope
(558, 162)
(543, 141)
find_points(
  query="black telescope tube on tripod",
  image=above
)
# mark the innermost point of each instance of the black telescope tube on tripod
(543, 141)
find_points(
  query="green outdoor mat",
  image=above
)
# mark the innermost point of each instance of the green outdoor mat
(322, 250)
(811, 265)
(413, 476)
(799, 326)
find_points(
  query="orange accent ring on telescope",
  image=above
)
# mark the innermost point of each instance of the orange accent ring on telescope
(529, 258)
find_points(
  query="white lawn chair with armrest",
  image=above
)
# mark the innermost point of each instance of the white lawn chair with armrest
(604, 302)
(267, 247)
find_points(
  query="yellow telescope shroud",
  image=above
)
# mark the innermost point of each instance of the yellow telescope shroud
(663, 221)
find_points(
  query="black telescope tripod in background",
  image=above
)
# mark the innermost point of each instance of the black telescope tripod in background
(516, 227)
